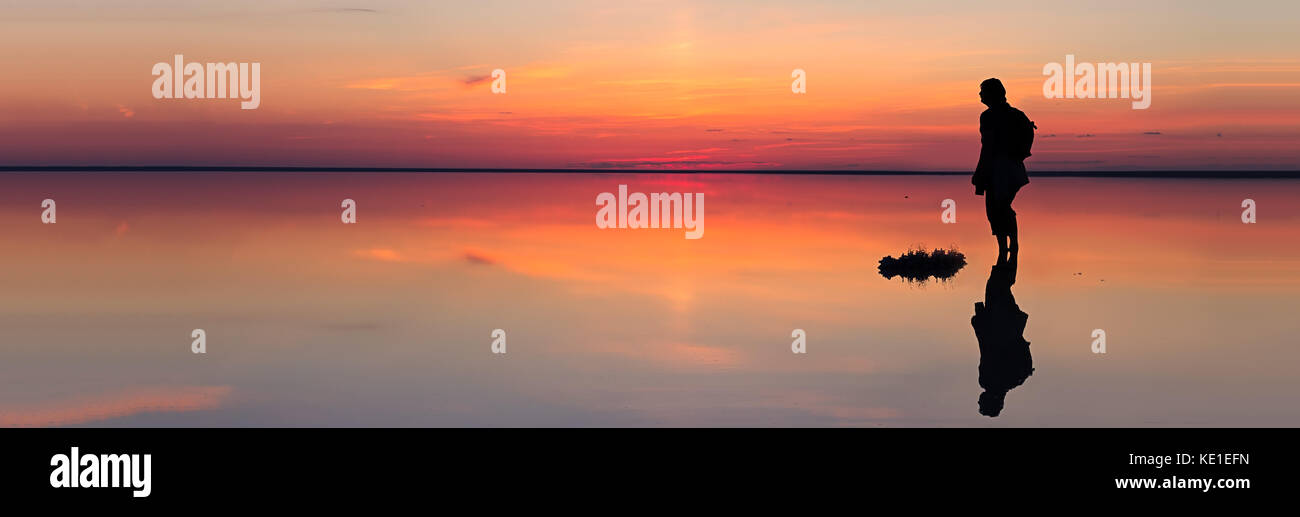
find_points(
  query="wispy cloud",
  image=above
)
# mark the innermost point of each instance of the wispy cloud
(476, 79)
(79, 410)
(345, 10)
(479, 259)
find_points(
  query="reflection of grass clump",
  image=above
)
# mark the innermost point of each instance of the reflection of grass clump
(919, 265)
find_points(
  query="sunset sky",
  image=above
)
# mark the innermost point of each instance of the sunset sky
(653, 84)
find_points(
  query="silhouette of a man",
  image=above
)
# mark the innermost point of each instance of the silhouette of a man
(1005, 134)
(999, 325)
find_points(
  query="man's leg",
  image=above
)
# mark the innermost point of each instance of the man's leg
(992, 209)
(1013, 231)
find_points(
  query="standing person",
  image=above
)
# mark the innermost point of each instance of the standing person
(1006, 135)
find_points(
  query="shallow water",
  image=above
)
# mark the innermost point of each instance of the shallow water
(311, 322)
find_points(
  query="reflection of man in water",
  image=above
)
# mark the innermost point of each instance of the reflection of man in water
(1006, 135)
(1000, 328)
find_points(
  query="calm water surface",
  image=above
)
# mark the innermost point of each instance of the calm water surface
(387, 322)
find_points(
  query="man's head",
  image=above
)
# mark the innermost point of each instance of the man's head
(992, 93)
(991, 403)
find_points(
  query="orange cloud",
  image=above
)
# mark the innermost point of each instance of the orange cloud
(381, 254)
(100, 407)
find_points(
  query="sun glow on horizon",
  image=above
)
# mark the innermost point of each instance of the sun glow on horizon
(670, 85)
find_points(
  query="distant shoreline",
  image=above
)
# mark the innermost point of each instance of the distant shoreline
(1173, 174)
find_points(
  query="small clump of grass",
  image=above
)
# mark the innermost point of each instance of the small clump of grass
(919, 265)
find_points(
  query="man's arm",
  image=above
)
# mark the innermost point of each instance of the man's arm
(981, 177)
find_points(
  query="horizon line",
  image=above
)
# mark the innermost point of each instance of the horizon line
(1159, 173)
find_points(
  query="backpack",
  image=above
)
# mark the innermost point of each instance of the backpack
(1023, 134)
